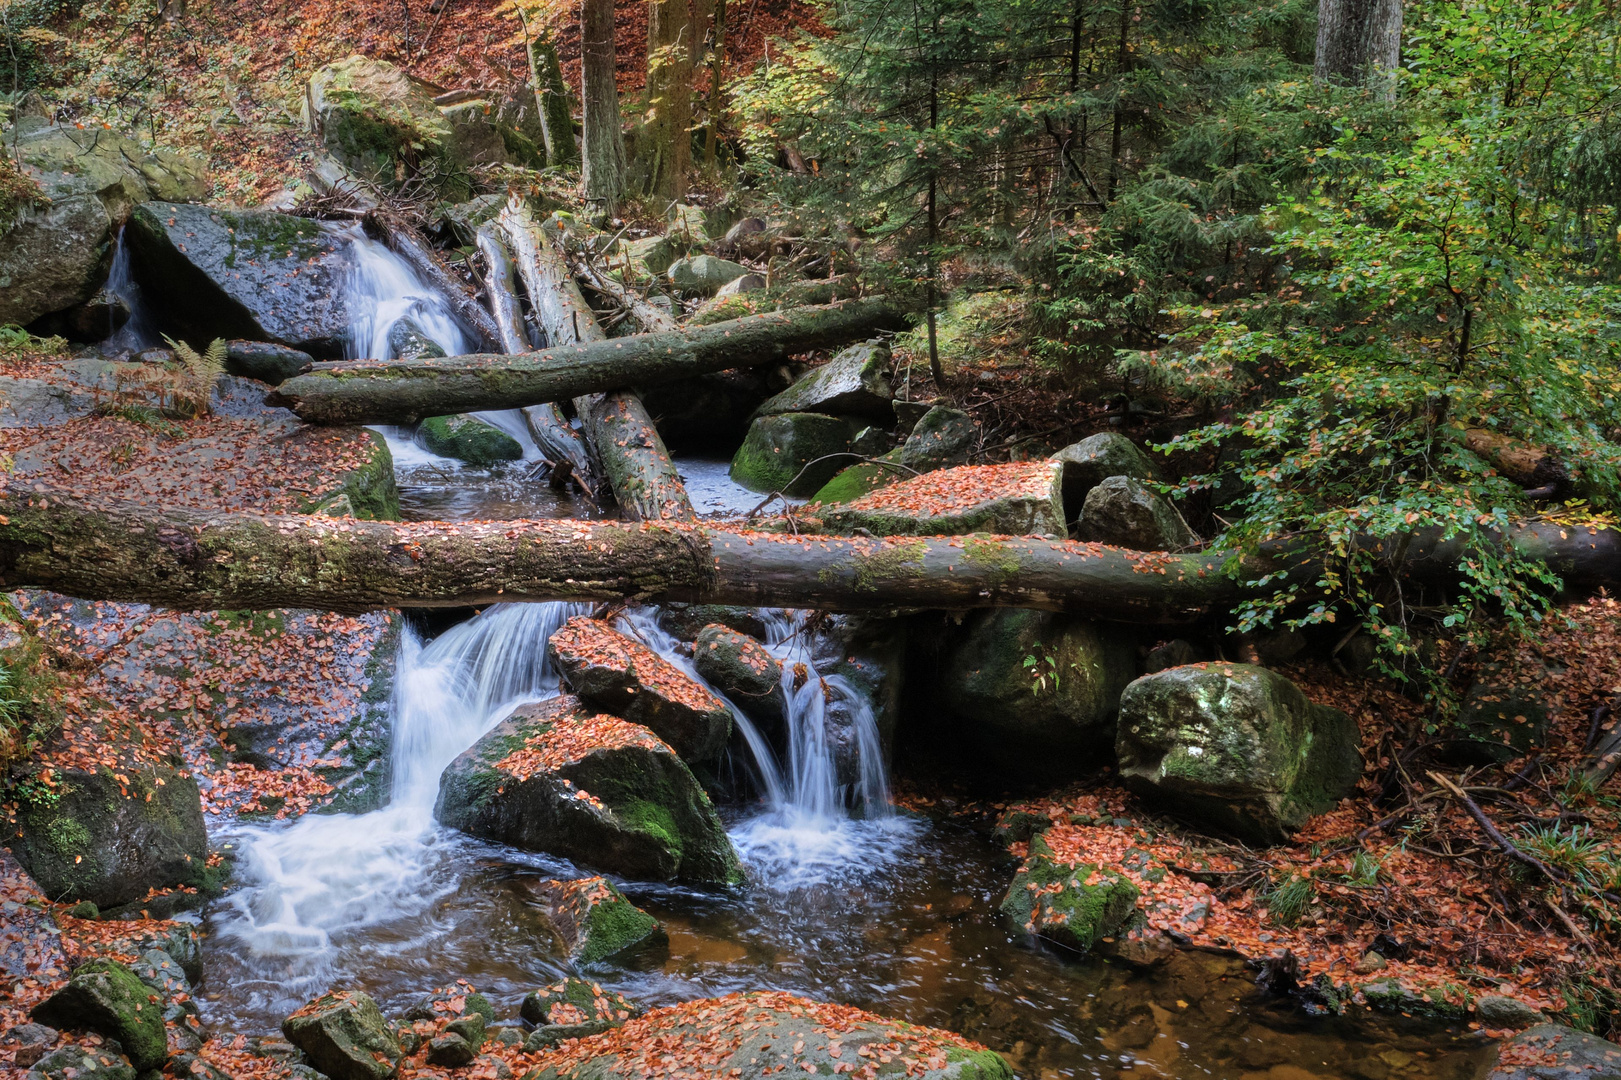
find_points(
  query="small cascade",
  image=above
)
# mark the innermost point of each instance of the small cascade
(140, 330)
(381, 290)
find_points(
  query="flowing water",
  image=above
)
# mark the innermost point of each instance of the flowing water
(848, 900)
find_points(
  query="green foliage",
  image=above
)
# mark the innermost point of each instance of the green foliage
(1287, 902)
(1043, 669)
(191, 391)
(15, 341)
(1364, 870)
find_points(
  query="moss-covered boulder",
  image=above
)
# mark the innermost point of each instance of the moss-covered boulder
(573, 1009)
(794, 453)
(854, 383)
(1236, 747)
(344, 1035)
(754, 1036)
(618, 674)
(943, 437)
(1071, 904)
(408, 341)
(704, 274)
(554, 777)
(104, 996)
(1123, 512)
(1091, 461)
(1554, 1052)
(651, 256)
(594, 923)
(469, 439)
(246, 274)
(112, 833)
(1017, 499)
(1036, 693)
(740, 667)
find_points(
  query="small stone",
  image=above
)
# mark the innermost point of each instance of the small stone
(450, 1051)
(84, 909)
(28, 1043)
(594, 922)
(1500, 1011)
(1370, 962)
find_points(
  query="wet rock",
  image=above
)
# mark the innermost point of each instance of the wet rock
(164, 975)
(111, 840)
(704, 274)
(740, 667)
(344, 1035)
(188, 1066)
(1091, 461)
(616, 674)
(471, 1027)
(55, 256)
(450, 1051)
(594, 923)
(754, 1036)
(450, 1002)
(1035, 693)
(1389, 995)
(467, 438)
(1498, 1011)
(264, 360)
(1071, 904)
(245, 274)
(28, 1043)
(408, 341)
(552, 777)
(941, 438)
(1020, 499)
(686, 621)
(105, 997)
(854, 383)
(794, 453)
(1122, 512)
(1235, 746)
(82, 1063)
(573, 1009)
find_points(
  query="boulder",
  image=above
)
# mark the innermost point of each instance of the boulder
(408, 341)
(469, 439)
(264, 360)
(594, 923)
(1235, 746)
(344, 1035)
(1036, 692)
(1073, 905)
(1123, 512)
(553, 777)
(853, 383)
(1554, 1052)
(1094, 459)
(74, 1062)
(1017, 499)
(940, 438)
(105, 997)
(687, 224)
(651, 255)
(55, 255)
(1500, 1011)
(759, 1035)
(450, 1051)
(740, 667)
(113, 833)
(750, 238)
(704, 274)
(617, 674)
(686, 621)
(573, 1009)
(475, 138)
(1500, 719)
(794, 453)
(246, 274)
(163, 975)
(746, 283)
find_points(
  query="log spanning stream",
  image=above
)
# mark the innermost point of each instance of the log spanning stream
(849, 900)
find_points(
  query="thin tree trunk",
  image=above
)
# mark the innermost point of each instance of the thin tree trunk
(935, 368)
(717, 93)
(552, 99)
(674, 31)
(1358, 41)
(1122, 60)
(603, 179)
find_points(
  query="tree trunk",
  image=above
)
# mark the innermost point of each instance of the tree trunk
(717, 95)
(633, 458)
(603, 137)
(402, 240)
(503, 292)
(1357, 40)
(674, 32)
(551, 99)
(403, 392)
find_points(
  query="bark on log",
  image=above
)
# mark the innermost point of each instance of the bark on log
(403, 392)
(402, 241)
(652, 318)
(1357, 40)
(502, 288)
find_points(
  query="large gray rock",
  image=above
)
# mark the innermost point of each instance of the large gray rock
(1121, 511)
(553, 777)
(55, 256)
(1096, 458)
(104, 996)
(344, 1035)
(853, 383)
(467, 438)
(941, 438)
(794, 453)
(704, 274)
(245, 274)
(1235, 746)
(740, 667)
(1554, 1052)
(1018, 499)
(758, 1035)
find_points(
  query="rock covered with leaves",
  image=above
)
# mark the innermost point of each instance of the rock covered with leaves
(1017, 499)
(344, 1035)
(573, 1009)
(740, 667)
(941, 438)
(594, 923)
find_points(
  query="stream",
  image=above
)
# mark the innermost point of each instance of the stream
(849, 900)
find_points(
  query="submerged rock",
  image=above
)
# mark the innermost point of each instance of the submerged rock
(573, 1009)
(594, 922)
(853, 383)
(607, 793)
(253, 275)
(1019, 499)
(469, 439)
(941, 438)
(344, 1035)
(105, 997)
(1073, 905)
(612, 672)
(794, 453)
(742, 669)
(754, 1036)
(1235, 746)
(1123, 512)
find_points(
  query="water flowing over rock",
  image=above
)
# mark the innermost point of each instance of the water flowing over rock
(552, 777)
(344, 1035)
(104, 996)
(853, 383)
(1235, 746)
(593, 921)
(1122, 512)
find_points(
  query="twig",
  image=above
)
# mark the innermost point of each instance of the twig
(1494, 834)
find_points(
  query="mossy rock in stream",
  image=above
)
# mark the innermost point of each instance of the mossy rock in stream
(368, 492)
(943, 437)
(344, 1035)
(573, 1009)
(469, 439)
(1072, 904)
(596, 789)
(105, 997)
(594, 923)
(794, 453)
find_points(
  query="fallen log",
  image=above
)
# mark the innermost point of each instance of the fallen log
(502, 288)
(402, 240)
(624, 442)
(652, 318)
(405, 391)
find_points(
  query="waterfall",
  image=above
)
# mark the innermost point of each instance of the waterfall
(140, 329)
(381, 290)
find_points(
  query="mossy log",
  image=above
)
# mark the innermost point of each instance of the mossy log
(402, 240)
(398, 391)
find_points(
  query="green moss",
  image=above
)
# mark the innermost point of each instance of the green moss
(893, 561)
(1000, 564)
(615, 927)
(1052, 899)
(469, 439)
(654, 820)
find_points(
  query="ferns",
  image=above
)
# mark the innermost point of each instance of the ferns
(192, 390)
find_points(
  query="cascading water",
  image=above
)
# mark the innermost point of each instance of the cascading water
(140, 329)
(381, 290)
